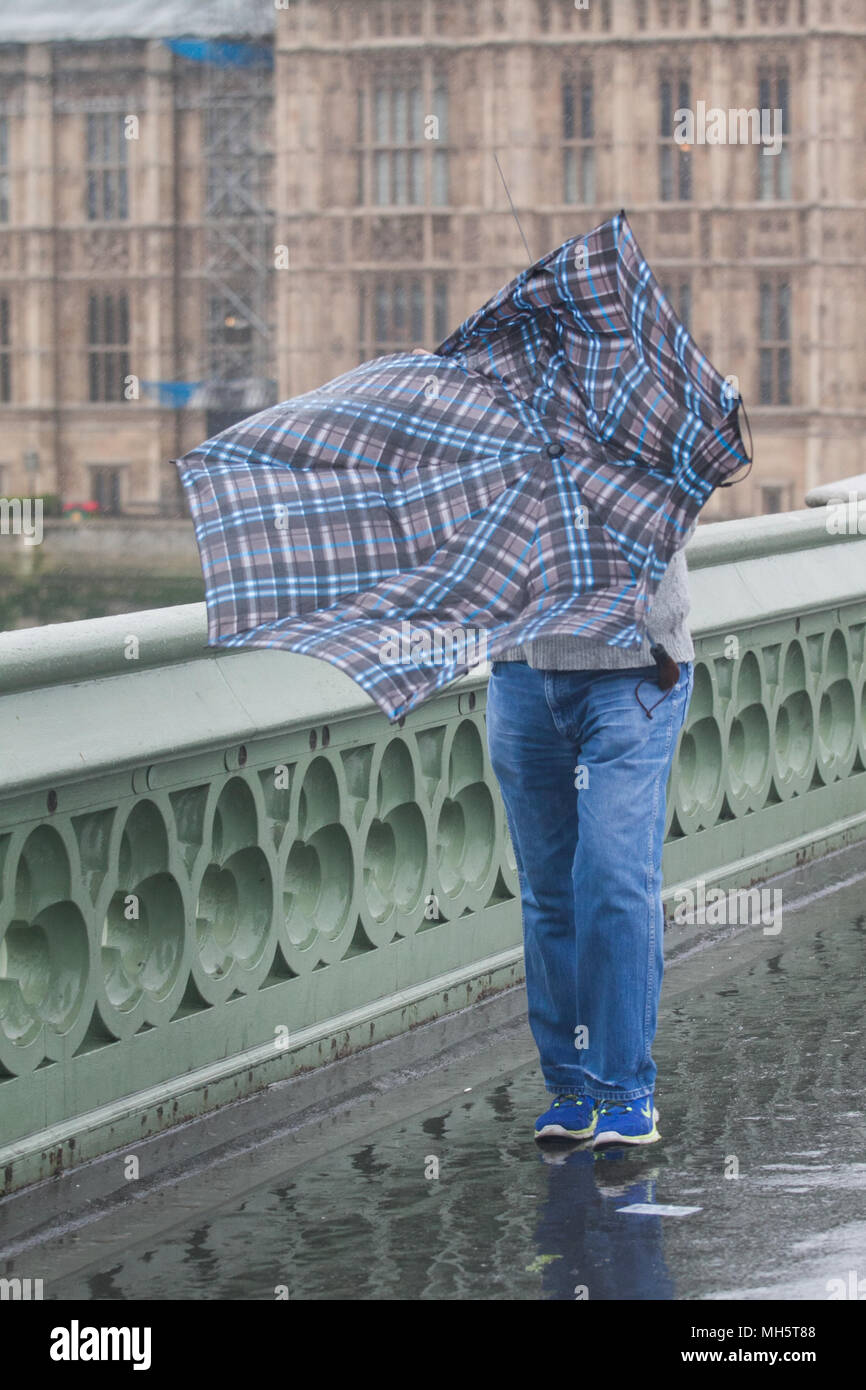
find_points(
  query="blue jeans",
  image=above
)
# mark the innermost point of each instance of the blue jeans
(583, 774)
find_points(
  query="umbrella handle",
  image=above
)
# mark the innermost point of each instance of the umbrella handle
(669, 671)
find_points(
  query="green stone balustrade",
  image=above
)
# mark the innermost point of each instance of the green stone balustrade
(220, 868)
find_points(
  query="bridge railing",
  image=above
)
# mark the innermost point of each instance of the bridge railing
(218, 868)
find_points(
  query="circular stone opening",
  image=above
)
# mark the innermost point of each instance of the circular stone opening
(793, 735)
(699, 766)
(749, 749)
(836, 718)
(142, 941)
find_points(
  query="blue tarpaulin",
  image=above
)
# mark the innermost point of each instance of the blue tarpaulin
(224, 55)
(171, 393)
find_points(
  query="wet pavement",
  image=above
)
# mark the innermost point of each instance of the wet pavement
(762, 1100)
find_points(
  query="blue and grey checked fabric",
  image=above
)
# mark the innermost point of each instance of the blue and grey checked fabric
(532, 476)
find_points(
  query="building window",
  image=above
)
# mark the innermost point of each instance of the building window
(678, 292)
(108, 340)
(675, 160)
(441, 193)
(774, 335)
(398, 311)
(769, 13)
(105, 489)
(106, 176)
(774, 170)
(450, 17)
(402, 132)
(232, 341)
(441, 326)
(578, 133)
(775, 498)
(5, 354)
(4, 169)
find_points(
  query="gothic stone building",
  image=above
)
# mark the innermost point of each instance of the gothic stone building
(264, 223)
(399, 224)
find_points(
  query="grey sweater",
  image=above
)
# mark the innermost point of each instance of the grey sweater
(666, 623)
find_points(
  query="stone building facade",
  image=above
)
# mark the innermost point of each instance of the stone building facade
(135, 256)
(400, 225)
(392, 137)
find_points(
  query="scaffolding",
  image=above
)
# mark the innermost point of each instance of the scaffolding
(215, 352)
(233, 89)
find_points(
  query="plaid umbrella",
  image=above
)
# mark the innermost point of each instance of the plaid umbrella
(532, 476)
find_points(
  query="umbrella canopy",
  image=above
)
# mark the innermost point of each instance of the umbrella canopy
(533, 476)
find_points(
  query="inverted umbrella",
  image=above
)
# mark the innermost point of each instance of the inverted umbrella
(532, 476)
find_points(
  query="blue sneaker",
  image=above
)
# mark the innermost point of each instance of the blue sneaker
(627, 1122)
(569, 1117)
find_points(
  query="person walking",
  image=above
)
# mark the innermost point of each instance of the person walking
(581, 737)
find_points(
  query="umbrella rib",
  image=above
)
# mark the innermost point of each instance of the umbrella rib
(513, 209)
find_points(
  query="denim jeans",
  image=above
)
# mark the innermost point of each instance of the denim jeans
(583, 774)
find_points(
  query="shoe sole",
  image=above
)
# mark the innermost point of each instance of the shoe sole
(612, 1136)
(559, 1132)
